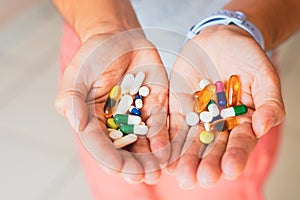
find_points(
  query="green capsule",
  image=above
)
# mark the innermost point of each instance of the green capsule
(127, 119)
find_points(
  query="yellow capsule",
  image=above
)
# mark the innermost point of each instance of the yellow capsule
(111, 103)
(111, 123)
(224, 124)
(206, 137)
(233, 91)
(203, 97)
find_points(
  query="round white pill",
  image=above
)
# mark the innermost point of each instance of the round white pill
(115, 134)
(192, 118)
(206, 116)
(144, 91)
(203, 83)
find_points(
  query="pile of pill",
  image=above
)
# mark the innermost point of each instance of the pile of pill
(216, 108)
(122, 110)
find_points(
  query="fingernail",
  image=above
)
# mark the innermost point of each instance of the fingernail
(186, 187)
(75, 123)
(267, 126)
(205, 183)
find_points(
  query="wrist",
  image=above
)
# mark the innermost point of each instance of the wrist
(259, 15)
(87, 31)
(227, 17)
(93, 17)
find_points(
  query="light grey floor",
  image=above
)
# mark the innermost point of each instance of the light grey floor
(38, 155)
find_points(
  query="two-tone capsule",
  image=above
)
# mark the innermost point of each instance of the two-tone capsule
(221, 96)
(127, 119)
(138, 102)
(234, 111)
(135, 111)
(134, 128)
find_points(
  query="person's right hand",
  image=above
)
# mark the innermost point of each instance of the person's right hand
(98, 66)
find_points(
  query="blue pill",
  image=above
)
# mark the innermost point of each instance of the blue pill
(135, 111)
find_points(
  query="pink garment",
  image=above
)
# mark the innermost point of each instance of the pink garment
(105, 187)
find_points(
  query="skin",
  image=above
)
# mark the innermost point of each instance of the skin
(190, 161)
(87, 87)
(89, 78)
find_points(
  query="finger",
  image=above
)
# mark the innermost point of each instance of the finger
(158, 134)
(209, 170)
(142, 153)
(95, 140)
(268, 101)
(178, 132)
(156, 110)
(155, 107)
(132, 170)
(181, 102)
(70, 101)
(186, 171)
(241, 143)
(83, 71)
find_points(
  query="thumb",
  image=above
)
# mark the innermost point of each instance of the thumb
(268, 103)
(70, 101)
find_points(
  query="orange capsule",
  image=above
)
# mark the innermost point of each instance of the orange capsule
(112, 100)
(224, 124)
(203, 97)
(233, 91)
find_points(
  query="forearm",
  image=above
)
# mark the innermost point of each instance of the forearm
(276, 19)
(89, 17)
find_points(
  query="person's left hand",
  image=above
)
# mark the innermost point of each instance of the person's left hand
(228, 50)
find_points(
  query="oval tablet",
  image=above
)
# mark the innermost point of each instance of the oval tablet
(124, 104)
(137, 83)
(127, 83)
(126, 140)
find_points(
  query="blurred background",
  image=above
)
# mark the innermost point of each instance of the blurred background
(38, 156)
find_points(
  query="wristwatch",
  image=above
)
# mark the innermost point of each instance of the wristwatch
(226, 17)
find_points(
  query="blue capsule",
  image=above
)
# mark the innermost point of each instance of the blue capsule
(135, 111)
